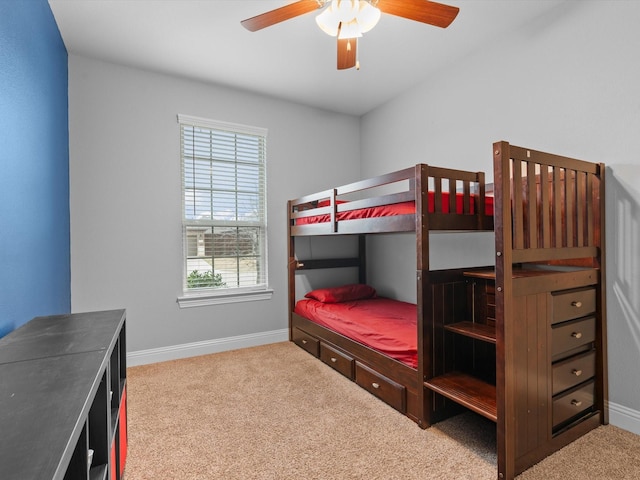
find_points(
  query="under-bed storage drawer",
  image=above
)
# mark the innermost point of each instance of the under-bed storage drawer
(573, 304)
(382, 387)
(306, 341)
(573, 403)
(337, 360)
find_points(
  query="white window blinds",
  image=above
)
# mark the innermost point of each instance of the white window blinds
(223, 205)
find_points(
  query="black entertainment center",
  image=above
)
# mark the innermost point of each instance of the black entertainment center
(63, 404)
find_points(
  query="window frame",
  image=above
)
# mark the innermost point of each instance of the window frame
(211, 296)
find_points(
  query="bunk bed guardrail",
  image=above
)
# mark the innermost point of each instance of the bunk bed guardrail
(454, 200)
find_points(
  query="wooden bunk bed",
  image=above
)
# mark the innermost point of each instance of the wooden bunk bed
(521, 342)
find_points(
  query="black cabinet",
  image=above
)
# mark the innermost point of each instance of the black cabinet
(63, 398)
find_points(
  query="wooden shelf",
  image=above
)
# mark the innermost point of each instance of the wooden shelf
(479, 331)
(468, 391)
(517, 272)
(487, 274)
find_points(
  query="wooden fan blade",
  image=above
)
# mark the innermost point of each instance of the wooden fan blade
(347, 53)
(423, 11)
(280, 15)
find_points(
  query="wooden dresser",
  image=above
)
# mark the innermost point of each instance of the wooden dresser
(63, 407)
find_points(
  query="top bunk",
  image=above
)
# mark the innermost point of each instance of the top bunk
(420, 197)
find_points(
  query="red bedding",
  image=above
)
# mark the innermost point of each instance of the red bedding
(403, 208)
(388, 326)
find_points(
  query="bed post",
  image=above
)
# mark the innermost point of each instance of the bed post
(362, 258)
(603, 404)
(504, 312)
(423, 295)
(291, 267)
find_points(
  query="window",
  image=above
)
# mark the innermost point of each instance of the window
(223, 212)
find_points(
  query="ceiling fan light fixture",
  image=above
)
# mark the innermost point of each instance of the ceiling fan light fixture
(350, 30)
(345, 9)
(367, 17)
(328, 21)
(348, 18)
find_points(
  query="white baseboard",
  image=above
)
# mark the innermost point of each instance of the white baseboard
(624, 417)
(174, 352)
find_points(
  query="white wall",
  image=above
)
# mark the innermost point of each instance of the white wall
(126, 242)
(568, 84)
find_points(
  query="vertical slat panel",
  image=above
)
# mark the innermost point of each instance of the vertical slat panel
(437, 203)
(334, 210)
(480, 206)
(532, 204)
(466, 199)
(558, 206)
(452, 196)
(580, 208)
(545, 214)
(518, 232)
(569, 185)
(531, 373)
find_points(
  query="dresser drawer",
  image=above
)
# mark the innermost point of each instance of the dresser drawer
(573, 403)
(306, 341)
(337, 360)
(570, 335)
(572, 371)
(571, 304)
(382, 387)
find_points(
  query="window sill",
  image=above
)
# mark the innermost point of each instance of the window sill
(204, 299)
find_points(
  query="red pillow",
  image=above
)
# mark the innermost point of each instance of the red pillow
(345, 293)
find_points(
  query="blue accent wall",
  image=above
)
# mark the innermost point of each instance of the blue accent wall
(34, 165)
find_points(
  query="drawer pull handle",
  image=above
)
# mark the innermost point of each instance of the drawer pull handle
(334, 359)
(304, 341)
(576, 334)
(576, 403)
(576, 304)
(576, 372)
(375, 385)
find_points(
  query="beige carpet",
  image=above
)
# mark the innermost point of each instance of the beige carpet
(275, 412)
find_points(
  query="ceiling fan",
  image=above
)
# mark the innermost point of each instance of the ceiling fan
(349, 19)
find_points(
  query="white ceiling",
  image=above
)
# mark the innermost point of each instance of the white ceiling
(293, 60)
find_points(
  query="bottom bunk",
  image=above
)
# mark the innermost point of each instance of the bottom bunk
(374, 340)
